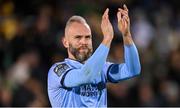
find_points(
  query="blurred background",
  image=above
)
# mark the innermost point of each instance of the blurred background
(30, 42)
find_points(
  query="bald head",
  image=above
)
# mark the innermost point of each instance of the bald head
(75, 18)
(75, 21)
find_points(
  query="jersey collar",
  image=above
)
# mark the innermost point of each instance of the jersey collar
(73, 63)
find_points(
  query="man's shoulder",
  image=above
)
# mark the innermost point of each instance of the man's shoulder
(59, 68)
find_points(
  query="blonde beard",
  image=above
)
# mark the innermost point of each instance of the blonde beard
(81, 57)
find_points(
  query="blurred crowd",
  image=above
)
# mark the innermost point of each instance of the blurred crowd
(30, 42)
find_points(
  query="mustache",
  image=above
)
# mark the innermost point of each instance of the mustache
(84, 47)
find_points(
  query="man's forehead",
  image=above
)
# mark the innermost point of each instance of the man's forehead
(77, 28)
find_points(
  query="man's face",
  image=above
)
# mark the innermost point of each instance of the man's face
(79, 41)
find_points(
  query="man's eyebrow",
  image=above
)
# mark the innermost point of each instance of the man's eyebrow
(83, 35)
(78, 35)
(88, 35)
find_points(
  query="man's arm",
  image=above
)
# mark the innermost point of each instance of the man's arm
(91, 70)
(132, 66)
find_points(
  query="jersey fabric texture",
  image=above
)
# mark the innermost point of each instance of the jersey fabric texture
(73, 84)
(87, 95)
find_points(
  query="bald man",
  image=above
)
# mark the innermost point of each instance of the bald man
(80, 80)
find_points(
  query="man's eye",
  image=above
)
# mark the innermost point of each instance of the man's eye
(78, 37)
(88, 37)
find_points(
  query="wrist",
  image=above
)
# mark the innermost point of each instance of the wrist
(128, 40)
(108, 38)
(107, 41)
(127, 34)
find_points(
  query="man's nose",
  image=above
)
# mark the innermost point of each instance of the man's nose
(83, 41)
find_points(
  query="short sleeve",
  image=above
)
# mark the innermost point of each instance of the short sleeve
(56, 75)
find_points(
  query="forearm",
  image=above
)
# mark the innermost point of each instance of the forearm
(130, 68)
(132, 58)
(90, 71)
(95, 63)
(131, 53)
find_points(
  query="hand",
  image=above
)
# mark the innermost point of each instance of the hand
(123, 21)
(106, 26)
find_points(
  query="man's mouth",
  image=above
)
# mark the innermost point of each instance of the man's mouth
(83, 49)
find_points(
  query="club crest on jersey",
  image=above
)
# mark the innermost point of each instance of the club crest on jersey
(61, 68)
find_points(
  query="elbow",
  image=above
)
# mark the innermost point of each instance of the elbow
(93, 78)
(137, 69)
(89, 76)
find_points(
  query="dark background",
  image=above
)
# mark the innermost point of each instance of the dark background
(30, 34)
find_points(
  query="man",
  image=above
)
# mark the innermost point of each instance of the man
(80, 80)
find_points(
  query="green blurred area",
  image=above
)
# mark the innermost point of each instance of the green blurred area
(30, 34)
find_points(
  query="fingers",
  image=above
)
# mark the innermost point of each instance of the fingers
(123, 13)
(106, 26)
(124, 10)
(105, 18)
(125, 7)
(119, 16)
(123, 20)
(105, 15)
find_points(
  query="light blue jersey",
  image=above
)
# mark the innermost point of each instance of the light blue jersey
(72, 84)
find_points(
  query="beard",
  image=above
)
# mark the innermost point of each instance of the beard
(81, 56)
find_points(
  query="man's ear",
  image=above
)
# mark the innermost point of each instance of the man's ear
(65, 42)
